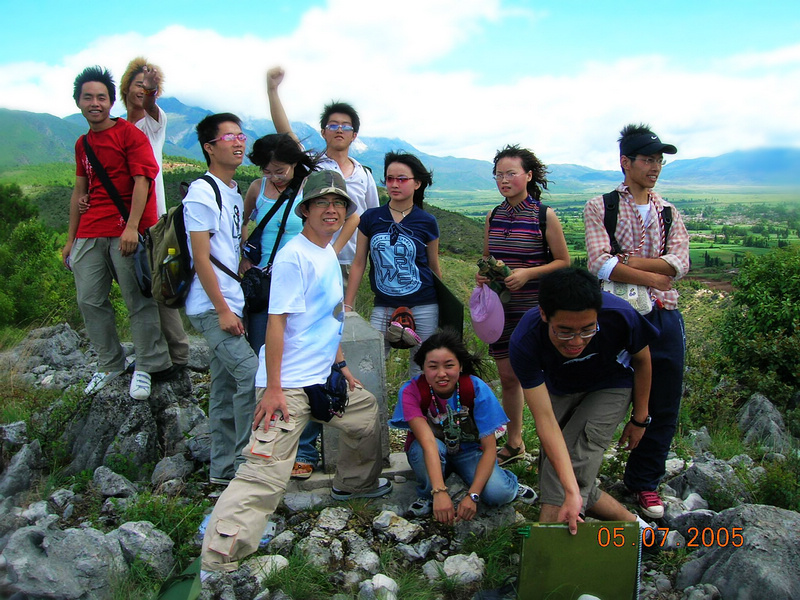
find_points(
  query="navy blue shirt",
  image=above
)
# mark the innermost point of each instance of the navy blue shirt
(398, 254)
(603, 364)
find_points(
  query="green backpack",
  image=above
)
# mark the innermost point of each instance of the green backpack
(171, 288)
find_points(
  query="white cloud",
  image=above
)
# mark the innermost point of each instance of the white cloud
(382, 57)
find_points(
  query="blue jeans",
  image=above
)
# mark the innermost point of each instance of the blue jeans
(647, 462)
(426, 317)
(307, 450)
(501, 488)
(257, 329)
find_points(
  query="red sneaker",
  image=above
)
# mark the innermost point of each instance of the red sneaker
(650, 504)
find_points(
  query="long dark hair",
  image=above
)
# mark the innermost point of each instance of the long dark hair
(283, 148)
(471, 363)
(529, 163)
(421, 174)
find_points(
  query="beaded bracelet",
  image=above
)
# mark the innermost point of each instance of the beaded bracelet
(437, 490)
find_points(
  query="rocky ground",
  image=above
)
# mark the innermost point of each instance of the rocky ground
(53, 546)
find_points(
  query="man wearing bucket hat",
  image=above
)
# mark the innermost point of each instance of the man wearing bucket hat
(306, 319)
(652, 250)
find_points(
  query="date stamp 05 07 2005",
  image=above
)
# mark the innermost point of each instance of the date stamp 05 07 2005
(706, 537)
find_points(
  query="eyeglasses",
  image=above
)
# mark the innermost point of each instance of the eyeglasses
(585, 335)
(278, 175)
(229, 137)
(322, 203)
(401, 180)
(337, 127)
(650, 161)
(502, 176)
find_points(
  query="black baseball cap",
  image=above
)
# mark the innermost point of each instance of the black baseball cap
(646, 144)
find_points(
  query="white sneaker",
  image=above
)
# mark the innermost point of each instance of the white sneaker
(140, 385)
(99, 380)
(421, 507)
(526, 494)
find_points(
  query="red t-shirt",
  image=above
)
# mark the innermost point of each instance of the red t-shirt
(125, 152)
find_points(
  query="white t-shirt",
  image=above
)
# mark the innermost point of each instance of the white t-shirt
(156, 132)
(362, 190)
(307, 286)
(202, 213)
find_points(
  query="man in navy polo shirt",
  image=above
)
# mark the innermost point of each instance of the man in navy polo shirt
(581, 357)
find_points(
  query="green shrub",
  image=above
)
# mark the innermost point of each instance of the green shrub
(761, 330)
(780, 485)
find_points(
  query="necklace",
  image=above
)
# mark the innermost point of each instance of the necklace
(450, 420)
(403, 213)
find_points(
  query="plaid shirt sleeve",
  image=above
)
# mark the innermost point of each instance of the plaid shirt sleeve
(598, 244)
(677, 254)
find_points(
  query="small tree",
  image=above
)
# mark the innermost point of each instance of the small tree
(761, 329)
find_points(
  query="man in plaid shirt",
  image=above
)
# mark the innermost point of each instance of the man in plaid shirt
(646, 258)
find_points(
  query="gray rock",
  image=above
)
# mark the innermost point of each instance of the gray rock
(283, 543)
(140, 540)
(175, 423)
(465, 569)
(741, 460)
(65, 565)
(199, 354)
(700, 439)
(36, 512)
(296, 501)
(396, 527)
(762, 424)
(171, 467)
(199, 443)
(333, 519)
(113, 485)
(261, 567)
(380, 587)
(23, 470)
(711, 478)
(704, 591)
(367, 561)
(697, 519)
(61, 498)
(695, 501)
(765, 565)
(317, 548)
(13, 435)
(57, 347)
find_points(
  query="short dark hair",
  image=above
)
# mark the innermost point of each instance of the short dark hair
(570, 289)
(98, 74)
(529, 163)
(339, 107)
(471, 363)
(632, 130)
(283, 148)
(208, 127)
(421, 174)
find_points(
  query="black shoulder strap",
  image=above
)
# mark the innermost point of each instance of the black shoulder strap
(285, 195)
(111, 190)
(611, 201)
(218, 196)
(666, 214)
(281, 230)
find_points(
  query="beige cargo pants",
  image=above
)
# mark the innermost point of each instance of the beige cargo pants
(243, 509)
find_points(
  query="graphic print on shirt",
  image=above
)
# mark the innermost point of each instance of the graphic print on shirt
(394, 258)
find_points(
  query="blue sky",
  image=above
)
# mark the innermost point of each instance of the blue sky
(457, 77)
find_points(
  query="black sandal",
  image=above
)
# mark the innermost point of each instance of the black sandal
(512, 454)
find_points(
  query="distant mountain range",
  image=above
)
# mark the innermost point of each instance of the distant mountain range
(34, 138)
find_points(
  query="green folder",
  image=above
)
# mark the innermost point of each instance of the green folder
(602, 560)
(451, 309)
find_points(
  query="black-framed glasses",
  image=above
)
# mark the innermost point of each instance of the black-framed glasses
(338, 126)
(229, 137)
(565, 336)
(649, 160)
(322, 203)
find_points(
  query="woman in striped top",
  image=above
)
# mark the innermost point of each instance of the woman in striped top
(512, 234)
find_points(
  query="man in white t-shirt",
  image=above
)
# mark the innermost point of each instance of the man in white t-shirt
(215, 303)
(140, 87)
(306, 319)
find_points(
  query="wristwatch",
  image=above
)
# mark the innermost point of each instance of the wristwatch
(475, 497)
(341, 365)
(638, 424)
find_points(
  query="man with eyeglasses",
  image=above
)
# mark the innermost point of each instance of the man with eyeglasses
(581, 357)
(652, 250)
(306, 321)
(215, 303)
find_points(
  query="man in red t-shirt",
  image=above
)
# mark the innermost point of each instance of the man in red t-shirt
(100, 242)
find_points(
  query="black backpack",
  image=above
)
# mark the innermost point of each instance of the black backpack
(611, 201)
